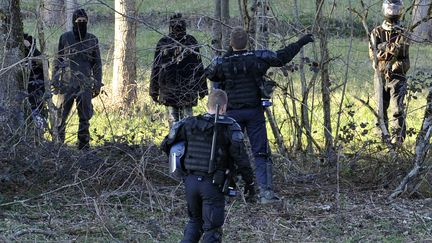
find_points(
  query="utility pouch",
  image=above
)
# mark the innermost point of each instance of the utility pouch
(219, 178)
(229, 187)
(267, 86)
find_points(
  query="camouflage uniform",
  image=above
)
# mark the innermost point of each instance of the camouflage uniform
(393, 63)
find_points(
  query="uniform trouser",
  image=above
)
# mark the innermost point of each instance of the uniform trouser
(253, 121)
(175, 114)
(205, 203)
(394, 92)
(85, 112)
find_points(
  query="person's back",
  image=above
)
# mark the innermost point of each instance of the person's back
(205, 177)
(241, 74)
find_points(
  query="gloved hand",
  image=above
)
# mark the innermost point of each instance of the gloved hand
(249, 191)
(56, 87)
(96, 90)
(155, 98)
(306, 39)
(394, 49)
(202, 94)
(382, 46)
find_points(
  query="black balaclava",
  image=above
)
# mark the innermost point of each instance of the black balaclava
(177, 26)
(79, 29)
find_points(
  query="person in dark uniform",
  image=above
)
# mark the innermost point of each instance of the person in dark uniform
(78, 75)
(177, 77)
(392, 46)
(204, 182)
(241, 74)
(36, 83)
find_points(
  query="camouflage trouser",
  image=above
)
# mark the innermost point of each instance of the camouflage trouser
(85, 112)
(175, 114)
(394, 92)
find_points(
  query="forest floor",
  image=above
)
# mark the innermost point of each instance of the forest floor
(118, 192)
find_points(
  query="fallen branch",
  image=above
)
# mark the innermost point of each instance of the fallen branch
(33, 231)
(422, 148)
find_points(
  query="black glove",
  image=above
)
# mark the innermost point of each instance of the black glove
(202, 94)
(56, 87)
(249, 190)
(96, 90)
(155, 98)
(305, 39)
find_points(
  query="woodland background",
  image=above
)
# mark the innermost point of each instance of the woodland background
(338, 180)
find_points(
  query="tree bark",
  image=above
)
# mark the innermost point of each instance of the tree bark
(422, 13)
(262, 35)
(53, 12)
(226, 31)
(325, 81)
(124, 68)
(262, 43)
(11, 81)
(48, 94)
(70, 7)
(249, 21)
(217, 29)
(305, 123)
(421, 150)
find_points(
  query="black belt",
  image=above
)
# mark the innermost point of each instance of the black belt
(199, 173)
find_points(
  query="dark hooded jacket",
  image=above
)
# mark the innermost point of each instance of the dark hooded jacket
(36, 67)
(177, 77)
(78, 62)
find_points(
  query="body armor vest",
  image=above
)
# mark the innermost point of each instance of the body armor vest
(199, 142)
(241, 80)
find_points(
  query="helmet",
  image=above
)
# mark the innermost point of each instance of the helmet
(175, 158)
(392, 9)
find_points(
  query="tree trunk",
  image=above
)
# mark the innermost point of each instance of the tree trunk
(226, 31)
(262, 35)
(217, 29)
(53, 12)
(421, 150)
(124, 67)
(422, 13)
(262, 43)
(70, 6)
(249, 21)
(305, 123)
(11, 81)
(325, 81)
(51, 107)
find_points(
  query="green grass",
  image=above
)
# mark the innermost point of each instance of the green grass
(147, 121)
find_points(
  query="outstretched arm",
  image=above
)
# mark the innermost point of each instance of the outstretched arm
(284, 55)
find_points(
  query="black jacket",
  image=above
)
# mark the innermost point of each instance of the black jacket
(177, 77)
(78, 63)
(241, 72)
(36, 67)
